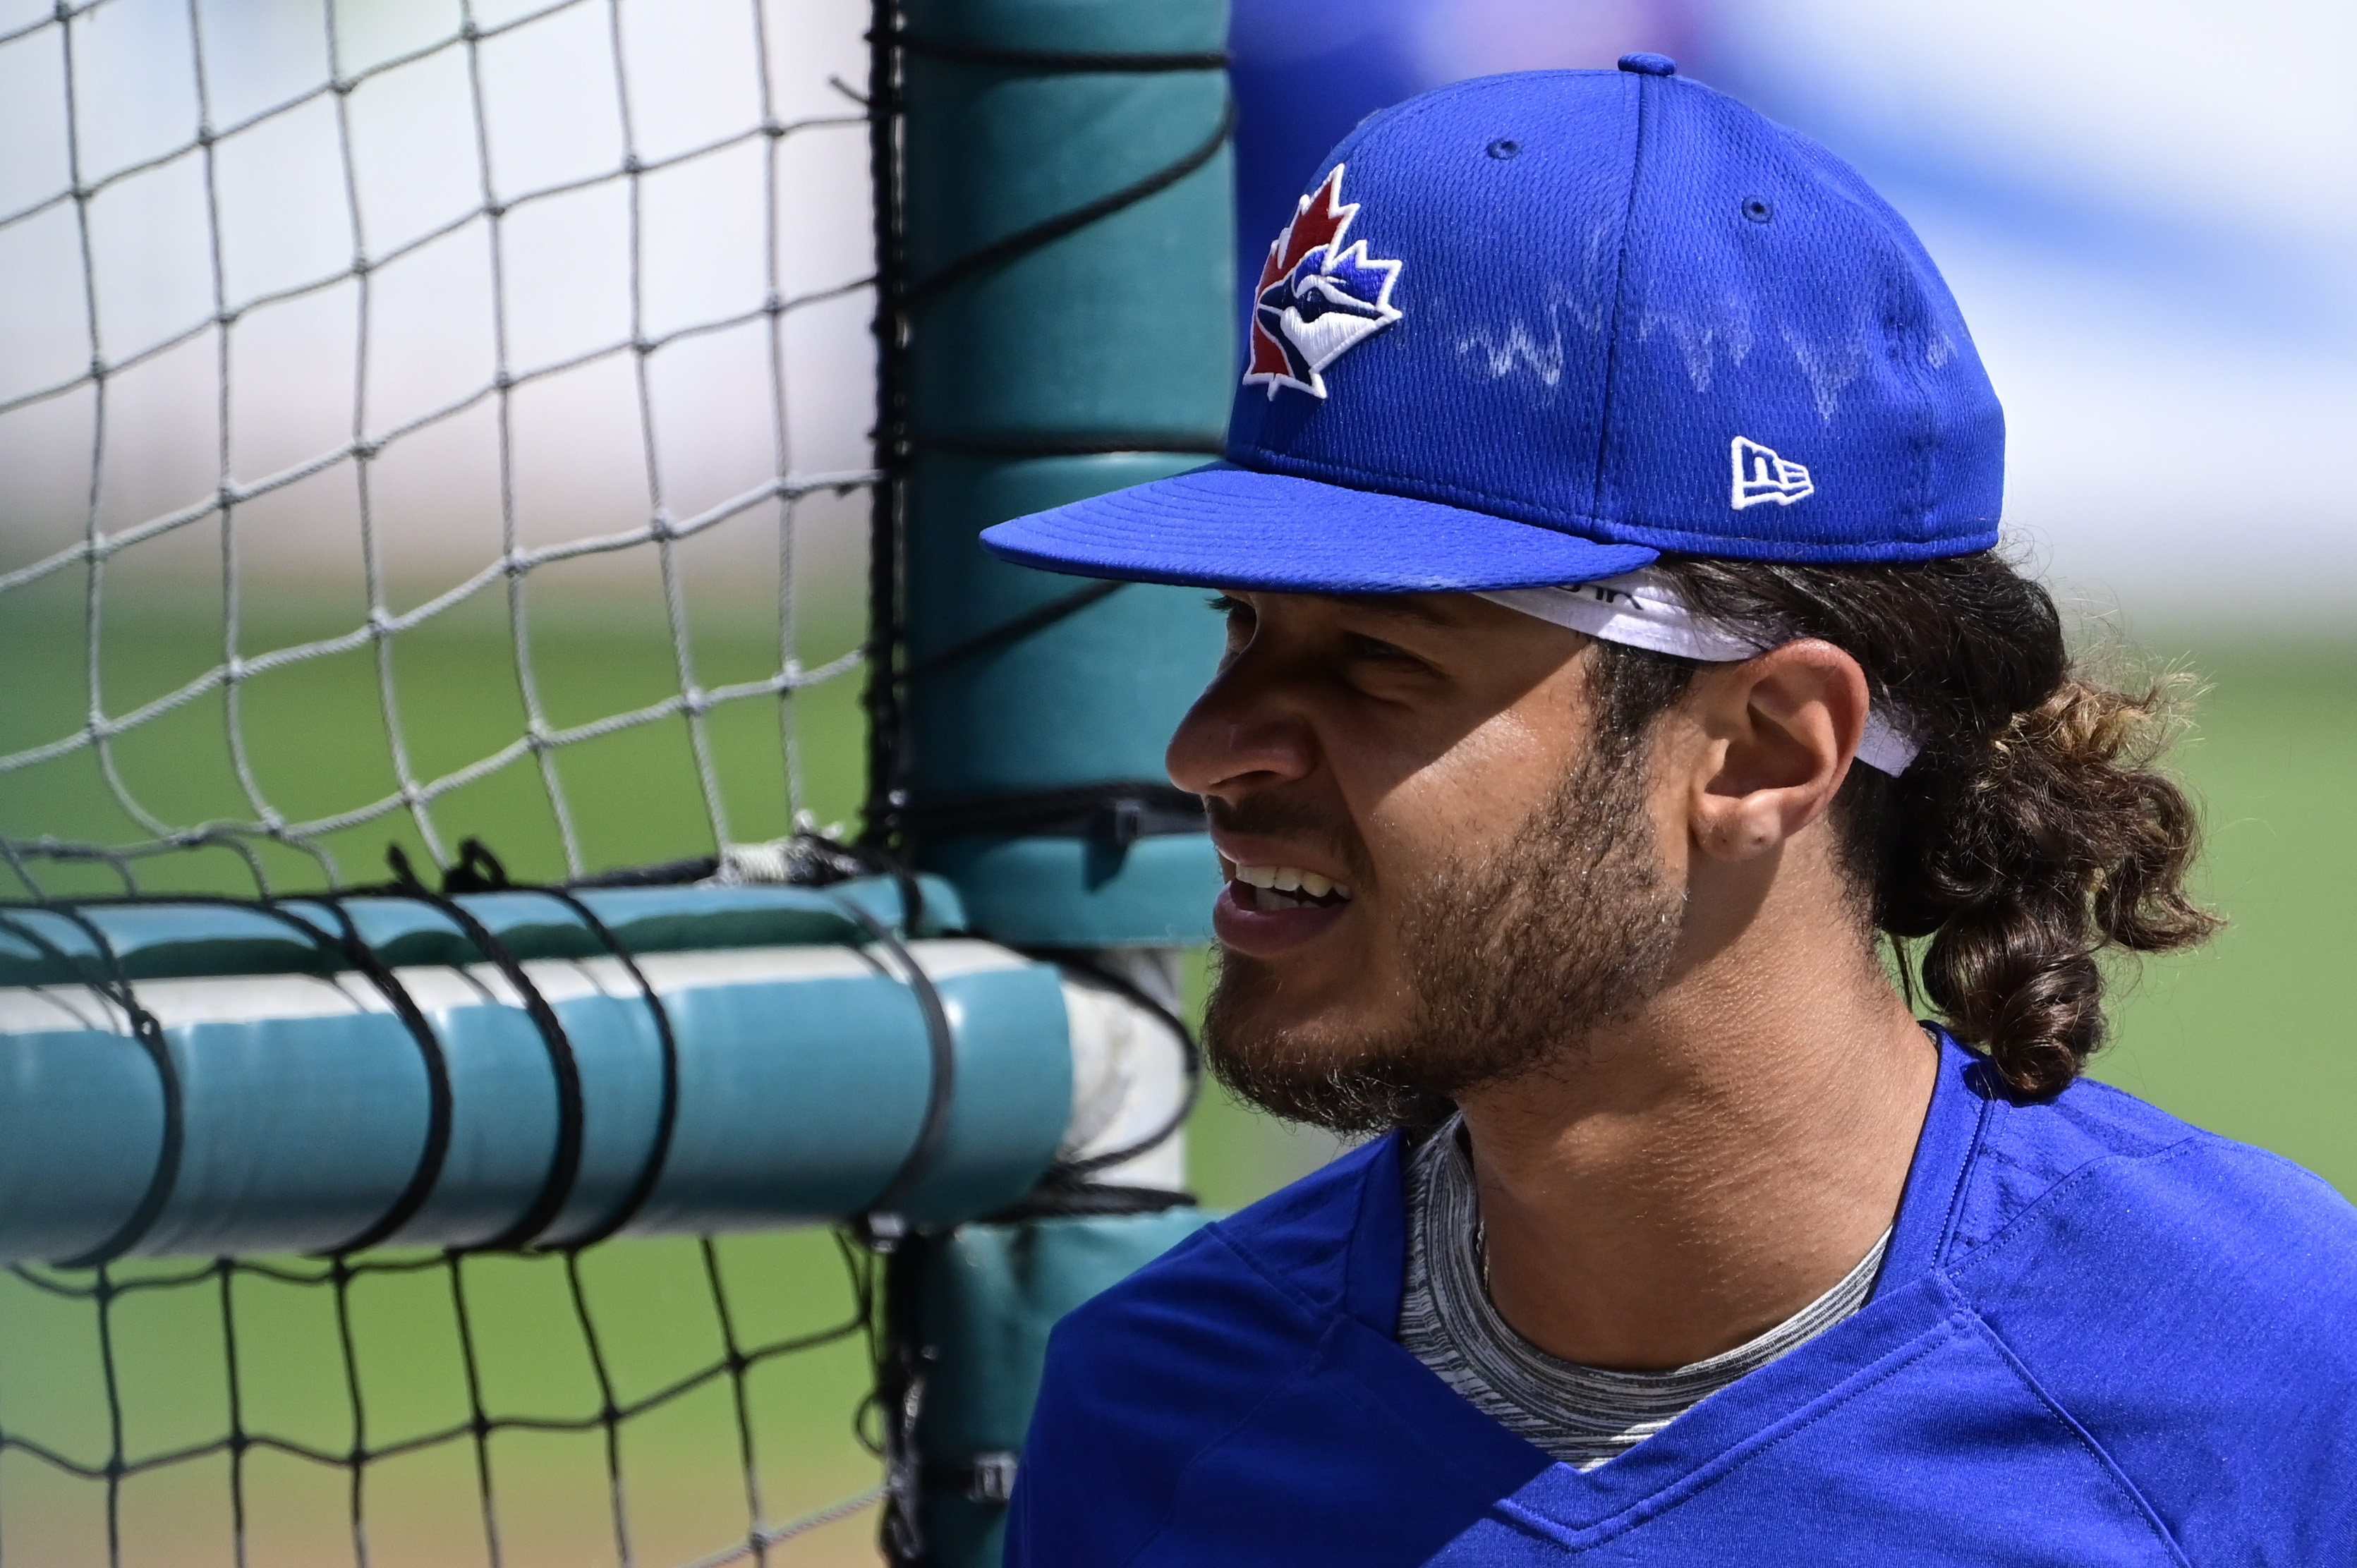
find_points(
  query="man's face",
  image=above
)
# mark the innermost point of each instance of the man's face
(1468, 875)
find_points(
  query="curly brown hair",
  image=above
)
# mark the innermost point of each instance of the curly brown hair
(2034, 831)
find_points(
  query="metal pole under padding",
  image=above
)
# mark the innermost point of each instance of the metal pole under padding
(1065, 284)
(762, 1085)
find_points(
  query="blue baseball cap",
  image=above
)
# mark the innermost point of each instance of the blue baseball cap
(1539, 328)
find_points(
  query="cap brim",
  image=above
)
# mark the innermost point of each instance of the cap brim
(1224, 527)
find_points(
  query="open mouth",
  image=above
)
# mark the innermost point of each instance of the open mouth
(1271, 888)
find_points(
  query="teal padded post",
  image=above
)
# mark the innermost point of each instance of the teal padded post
(1099, 359)
(990, 1296)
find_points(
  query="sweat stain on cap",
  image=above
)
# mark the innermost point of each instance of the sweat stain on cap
(1539, 328)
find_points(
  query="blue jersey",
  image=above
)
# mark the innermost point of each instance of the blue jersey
(2100, 1336)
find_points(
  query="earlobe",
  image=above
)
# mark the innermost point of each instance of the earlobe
(1738, 835)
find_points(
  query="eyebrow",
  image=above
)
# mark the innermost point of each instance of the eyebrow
(1401, 606)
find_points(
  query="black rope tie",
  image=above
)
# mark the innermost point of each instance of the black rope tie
(883, 1222)
(1067, 446)
(480, 871)
(348, 944)
(435, 1152)
(650, 1171)
(1118, 813)
(1015, 630)
(564, 1160)
(116, 987)
(889, 809)
(1063, 61)
(1047, 231)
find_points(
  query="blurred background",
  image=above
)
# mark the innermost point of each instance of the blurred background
(2145, 209)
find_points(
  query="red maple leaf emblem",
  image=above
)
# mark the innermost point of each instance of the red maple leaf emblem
(1319, 219)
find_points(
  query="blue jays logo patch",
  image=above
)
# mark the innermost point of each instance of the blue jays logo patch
(1317, 300)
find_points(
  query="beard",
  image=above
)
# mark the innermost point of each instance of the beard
(1512, 956)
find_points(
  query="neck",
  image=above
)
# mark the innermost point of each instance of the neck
(1685, 1180)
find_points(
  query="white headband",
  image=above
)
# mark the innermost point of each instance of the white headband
(1640, 609)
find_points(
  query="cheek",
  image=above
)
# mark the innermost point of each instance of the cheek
(1669, 806)
(1461, 803)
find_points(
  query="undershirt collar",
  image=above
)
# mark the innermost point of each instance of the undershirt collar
(1581, 1415)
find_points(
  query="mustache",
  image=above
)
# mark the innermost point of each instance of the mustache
(1277, 815)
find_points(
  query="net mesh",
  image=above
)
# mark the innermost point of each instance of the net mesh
(423, 294)
(425, 418)
(615, 1405)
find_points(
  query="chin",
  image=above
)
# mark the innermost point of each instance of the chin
(1318, 1004)
(1336, 1063)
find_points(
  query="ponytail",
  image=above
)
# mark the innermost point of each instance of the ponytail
(2034, 831)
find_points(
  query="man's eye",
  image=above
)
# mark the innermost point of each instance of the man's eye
(1239, 612)
(1375, 647)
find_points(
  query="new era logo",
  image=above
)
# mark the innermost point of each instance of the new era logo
(1761, 476)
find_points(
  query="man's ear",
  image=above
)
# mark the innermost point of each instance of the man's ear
(1782, 730)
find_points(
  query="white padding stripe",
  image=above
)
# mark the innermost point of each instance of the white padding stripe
(1640, 609)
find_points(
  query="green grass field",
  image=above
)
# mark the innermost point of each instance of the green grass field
(2252, 1035)
(684, 1485)
(2248, 1036)
(316, 744)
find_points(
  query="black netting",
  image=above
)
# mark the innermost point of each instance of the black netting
(635, 1401)
(640, 1402)
(629, 1401)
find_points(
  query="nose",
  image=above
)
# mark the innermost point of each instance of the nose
(1241, 735)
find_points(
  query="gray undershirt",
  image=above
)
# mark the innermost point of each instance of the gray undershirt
(1581, 1415)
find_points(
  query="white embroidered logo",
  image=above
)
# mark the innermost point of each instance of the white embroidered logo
(1761, 476)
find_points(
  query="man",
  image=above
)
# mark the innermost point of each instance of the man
(1617, 650)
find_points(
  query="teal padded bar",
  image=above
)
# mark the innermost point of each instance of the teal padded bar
(804, 1079)
(1101, 359)
(990, 1296)
(165, 939)
(81, 1118)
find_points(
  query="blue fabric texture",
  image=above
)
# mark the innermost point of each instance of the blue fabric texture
(2100, 1336)
(1613, 307)
(1228, 528)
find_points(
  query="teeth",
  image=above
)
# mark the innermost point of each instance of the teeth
(1275, 882)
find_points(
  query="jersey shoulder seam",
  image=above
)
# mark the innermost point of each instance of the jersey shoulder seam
(1277, 1278)
(2017, 1226)
(1212, 1445)
(1281, 1280)
(2086, 1439)
(1269, 1274)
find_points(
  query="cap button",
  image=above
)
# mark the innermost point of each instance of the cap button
(1650, 65)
